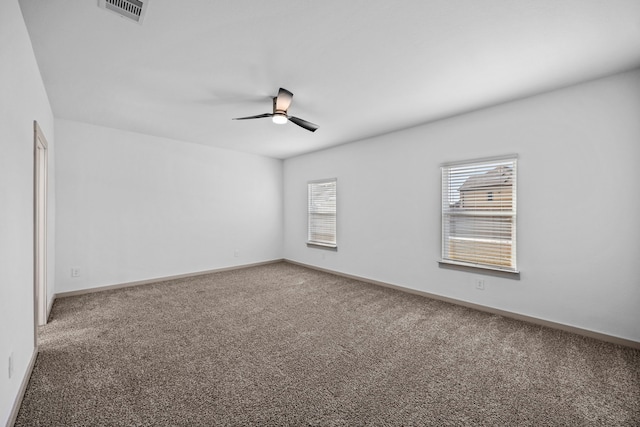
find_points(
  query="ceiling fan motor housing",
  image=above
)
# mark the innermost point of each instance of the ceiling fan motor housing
(279, 116)
(275, 109)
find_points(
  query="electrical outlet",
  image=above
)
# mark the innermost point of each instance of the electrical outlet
(10, 368)
(75, 271)
(480, 284)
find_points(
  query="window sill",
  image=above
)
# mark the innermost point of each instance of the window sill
(480, 269)
(327, 246)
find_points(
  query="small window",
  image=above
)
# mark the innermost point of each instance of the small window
(322, 213)
(479, 213)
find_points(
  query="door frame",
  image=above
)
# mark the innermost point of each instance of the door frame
(40, 194)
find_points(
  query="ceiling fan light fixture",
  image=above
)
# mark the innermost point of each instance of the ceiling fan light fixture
(279, 118)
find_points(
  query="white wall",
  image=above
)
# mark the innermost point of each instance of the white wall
(135, 207)
(23, 99)
(578, 204)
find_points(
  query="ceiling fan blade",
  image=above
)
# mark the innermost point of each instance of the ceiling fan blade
(259, 116)
(303, 123)
(283, 100)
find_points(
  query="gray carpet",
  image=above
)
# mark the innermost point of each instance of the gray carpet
(281, 345)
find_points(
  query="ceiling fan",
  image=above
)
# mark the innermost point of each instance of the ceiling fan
(281, 104)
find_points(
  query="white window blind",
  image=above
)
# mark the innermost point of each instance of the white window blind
(322, 212)
(479, 213)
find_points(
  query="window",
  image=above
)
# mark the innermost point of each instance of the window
(479, 213)
(322, 213)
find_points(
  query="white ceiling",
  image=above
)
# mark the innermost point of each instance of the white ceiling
(357, 68)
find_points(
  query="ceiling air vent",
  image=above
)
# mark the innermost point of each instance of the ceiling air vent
(130, 9)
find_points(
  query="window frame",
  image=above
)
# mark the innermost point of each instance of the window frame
(323, 243)
(476, 167)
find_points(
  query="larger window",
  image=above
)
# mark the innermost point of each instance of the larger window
(479, 213)
(322, 213)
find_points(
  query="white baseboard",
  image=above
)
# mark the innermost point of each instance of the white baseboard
(534, 320)
(23, 388)
(160, 279)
